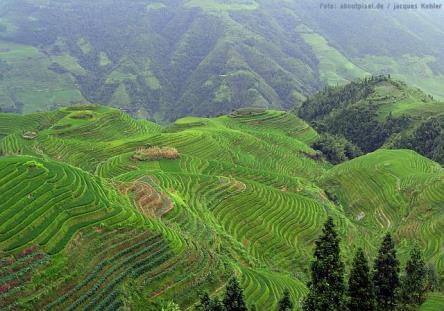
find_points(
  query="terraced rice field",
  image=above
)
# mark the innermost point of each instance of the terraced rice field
(246, 196)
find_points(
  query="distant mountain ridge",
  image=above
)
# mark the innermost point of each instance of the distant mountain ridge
(166, 59)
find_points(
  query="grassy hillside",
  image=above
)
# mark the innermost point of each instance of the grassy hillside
(168, 59)
(375, 112)
(101, 211)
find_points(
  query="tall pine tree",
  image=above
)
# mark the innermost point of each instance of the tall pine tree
(360, 286)
(414, 282)
(386, 276)
(208, 304)
(326, 289)
(285, 304)
(234, 297)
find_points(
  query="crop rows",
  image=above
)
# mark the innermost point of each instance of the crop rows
(128, 257)
(15, 272)
(264, 288)
(45, 203)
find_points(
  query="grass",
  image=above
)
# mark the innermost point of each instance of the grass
(334, 68)
(31, 83)
(399, 99)
(69, 63)
(395, 190)
(435, 302)
(414, 70)
(247, 196)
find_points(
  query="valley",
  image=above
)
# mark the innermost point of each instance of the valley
(221, 155)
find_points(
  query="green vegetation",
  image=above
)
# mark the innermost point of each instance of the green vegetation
(285, 304)
(213, 56)
(336, 148)
(100, 211)
(413, 291)
(386, 276)
(372, 113)
(360, 286)
(326, 289)
(28, 84)
(381, 291)
(243, 194)
(426, 138)
(234, 297)
(334, 68)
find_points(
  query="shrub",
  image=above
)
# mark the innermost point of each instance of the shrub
(34, 164)
(155, 153)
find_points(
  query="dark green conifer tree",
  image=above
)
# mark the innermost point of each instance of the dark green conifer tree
(205, 303)
(208, 304)
(234, 297)
(414, 281)
(285, 304)
(360, 287)
(386, 276)
(217, 305)
(326, 289)
(432, 278)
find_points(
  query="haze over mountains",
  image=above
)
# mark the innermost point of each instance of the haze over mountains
(152, 150)
(166, 59)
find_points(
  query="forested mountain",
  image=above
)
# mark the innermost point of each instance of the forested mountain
(165, 59)
(153, 151)
(368, 114)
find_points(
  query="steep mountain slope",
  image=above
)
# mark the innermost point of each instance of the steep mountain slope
(376, 112)
(167, 59)
(403, 43)
(379, 190)
(161, 213)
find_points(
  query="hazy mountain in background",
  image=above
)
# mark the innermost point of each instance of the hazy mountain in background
(166, 59)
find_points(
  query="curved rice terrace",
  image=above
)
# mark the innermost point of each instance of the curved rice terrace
(90, 226)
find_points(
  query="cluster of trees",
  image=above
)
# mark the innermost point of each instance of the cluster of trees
(336, 148)
(359, 123)
(352, 131)
(347, 118)
(382, 289)
(234, 300)
(334, 97)
(427, 139)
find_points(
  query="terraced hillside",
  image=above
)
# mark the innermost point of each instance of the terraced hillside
(165, 59)
(101, 211)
